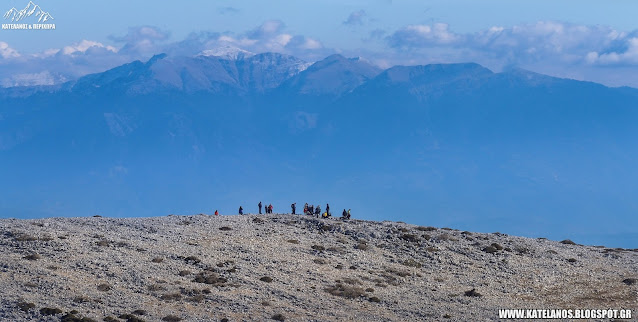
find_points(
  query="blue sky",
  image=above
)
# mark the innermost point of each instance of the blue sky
(580, 39)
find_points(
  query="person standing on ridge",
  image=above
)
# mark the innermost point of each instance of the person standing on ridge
(259, 205)
(305, 209)
(344, 214)
(294, 207)
(270, 208)
(348, 213)
(216, 212)
(318, 211)
(241, 210)
(328, 208)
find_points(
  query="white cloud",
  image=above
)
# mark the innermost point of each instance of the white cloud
(83, 46)
(7, 52)
(424, 36)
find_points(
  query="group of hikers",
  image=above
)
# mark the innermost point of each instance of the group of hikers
(307, 210)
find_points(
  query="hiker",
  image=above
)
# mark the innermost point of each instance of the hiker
(241, 210)
(311, 210)
(317, 211)
(270, 208)
(328, 209)
(259, 205)
(348, 213)
(344, 214)
(216, 212)
(294, 207)
(305, 209)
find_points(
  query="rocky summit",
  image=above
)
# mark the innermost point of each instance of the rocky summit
(294, 268)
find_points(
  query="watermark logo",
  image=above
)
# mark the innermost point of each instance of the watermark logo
(31, 13)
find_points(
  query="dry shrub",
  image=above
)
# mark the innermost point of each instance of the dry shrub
(412, 263)
(225, 228)
(171, 297)
(24, 306)
(156, 288)
(184, 273)
(278, 317)
(21, 237)
(157, 260)
(50, 311)
(32, 257)
(374, 299)
(490, 249)
(171, 318)
(410, 237)
(361, 246)
(318, 248)
(104, 287)
(473, 293)
(567, 242)
(351, 281)
(346, 291)
(210, 278)
(319, 261)
(266, 279)
(293, 241)
(192, 260)
(629, 281)
(103, 243)
(421, 228)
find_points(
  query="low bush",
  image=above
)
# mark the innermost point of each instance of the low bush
(210, 278)
(32, 257)
(50, 311)
(24, 306)
(412, 263)
(104, 287)
(266, 279)
(346, 291)
(278, 317)
(567, 242)
(473, 293)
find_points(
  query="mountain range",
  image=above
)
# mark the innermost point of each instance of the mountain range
(454, 145)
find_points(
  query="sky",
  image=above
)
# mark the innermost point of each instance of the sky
(580, 39)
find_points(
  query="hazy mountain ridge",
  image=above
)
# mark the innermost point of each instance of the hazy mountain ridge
(479, 150)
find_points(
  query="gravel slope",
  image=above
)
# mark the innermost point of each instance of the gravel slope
(297, 268)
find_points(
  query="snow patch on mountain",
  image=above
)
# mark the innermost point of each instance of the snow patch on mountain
(228, 52)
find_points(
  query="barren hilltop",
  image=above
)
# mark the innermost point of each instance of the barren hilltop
(294, 268)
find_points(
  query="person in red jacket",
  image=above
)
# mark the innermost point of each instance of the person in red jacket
(216, 212)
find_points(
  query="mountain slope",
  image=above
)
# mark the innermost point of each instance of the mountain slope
(332, 76)
(203, 268)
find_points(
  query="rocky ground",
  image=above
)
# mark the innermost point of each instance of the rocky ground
(294, 268)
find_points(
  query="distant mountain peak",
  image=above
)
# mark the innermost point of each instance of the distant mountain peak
(155, 58)
(227, 52)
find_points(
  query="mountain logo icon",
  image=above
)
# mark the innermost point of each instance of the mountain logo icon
(31, 10)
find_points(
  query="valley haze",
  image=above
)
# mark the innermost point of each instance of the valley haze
(447, 145)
